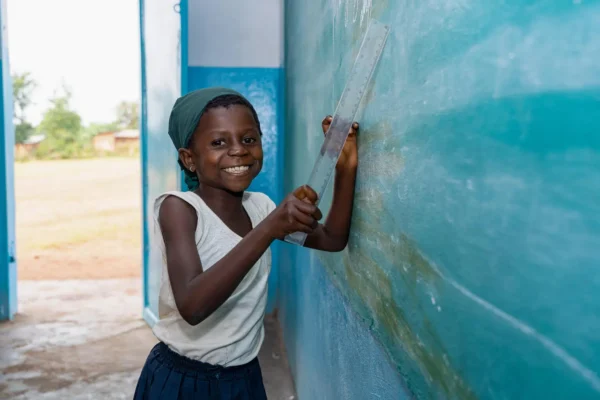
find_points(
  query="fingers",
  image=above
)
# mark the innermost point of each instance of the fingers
(304, 219)
(310, 194)
(326, 123)
(318, 215)
(305, 199)
(298, 213)
(303, 215)
(299, 193)
(353, 130)
(303, 228)
(298, 221)
(306, 194)
(308, 209)
(304, 222)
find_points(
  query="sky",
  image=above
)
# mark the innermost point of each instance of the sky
(91, 45)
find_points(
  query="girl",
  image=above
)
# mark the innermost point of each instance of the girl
(215, 242)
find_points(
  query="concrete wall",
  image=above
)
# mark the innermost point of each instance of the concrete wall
(239, 44)
(472, 271)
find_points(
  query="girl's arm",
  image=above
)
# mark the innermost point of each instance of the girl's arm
(199, 293)
(333, 235)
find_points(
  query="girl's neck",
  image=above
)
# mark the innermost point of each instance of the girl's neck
(221, 201)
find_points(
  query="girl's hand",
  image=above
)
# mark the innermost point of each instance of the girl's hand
(349, 156)
(296, 213)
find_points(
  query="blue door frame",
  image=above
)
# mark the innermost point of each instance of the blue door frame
(8, 263)
(161, 75)
(144, 164)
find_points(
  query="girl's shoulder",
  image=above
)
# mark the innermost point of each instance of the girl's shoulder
(188, 197)
(258, 202)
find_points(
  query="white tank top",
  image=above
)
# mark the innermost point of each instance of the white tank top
(232, 334)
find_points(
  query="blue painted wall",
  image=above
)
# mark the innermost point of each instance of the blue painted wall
(8, 263)
(263, 88)
(238, 44)
(472, 270)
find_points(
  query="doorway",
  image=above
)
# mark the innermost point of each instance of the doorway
(75, 216)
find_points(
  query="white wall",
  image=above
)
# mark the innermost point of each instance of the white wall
(235, 33)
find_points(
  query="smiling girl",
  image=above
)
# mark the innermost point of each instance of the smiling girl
(215, 242)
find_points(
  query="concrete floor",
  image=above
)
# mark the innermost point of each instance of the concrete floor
(86, 340)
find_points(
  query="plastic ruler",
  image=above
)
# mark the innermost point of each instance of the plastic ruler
(345, 113)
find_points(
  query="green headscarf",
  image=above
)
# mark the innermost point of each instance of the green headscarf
(184, 119)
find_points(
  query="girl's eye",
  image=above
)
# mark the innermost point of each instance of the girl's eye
(249, 140)
(218, 142)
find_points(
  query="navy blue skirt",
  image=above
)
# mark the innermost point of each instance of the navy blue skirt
(171, 376)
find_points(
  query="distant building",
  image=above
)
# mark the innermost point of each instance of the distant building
(104, 141)
(26, 148)
(126, 141)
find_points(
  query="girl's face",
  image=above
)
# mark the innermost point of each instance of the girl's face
(226, 149)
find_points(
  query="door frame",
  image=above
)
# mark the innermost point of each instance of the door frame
(148, 314)
(8, 262)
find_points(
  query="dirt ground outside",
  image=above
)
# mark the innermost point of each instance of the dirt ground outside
(78, 219)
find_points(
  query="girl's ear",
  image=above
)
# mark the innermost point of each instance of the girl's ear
(185, 155)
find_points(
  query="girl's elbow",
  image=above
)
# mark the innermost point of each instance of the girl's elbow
(191, 316)
(337, 245)
(192, 320)
(341, 247)
(333, 242)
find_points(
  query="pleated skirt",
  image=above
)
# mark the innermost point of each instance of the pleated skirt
(170, 376)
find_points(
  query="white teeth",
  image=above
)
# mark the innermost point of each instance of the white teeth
(237, 170)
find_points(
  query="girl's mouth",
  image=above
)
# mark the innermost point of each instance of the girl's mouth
(239, 170)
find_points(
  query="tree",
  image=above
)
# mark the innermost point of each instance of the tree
(23, 88)
(128, 115)
(23, 131)
(62, 127)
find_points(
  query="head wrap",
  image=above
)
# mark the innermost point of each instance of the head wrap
(184, 119)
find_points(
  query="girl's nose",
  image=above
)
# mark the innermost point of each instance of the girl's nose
(238, 150)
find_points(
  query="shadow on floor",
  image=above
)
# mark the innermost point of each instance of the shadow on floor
(86, 340)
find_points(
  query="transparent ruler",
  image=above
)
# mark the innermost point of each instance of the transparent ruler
(356, 86)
